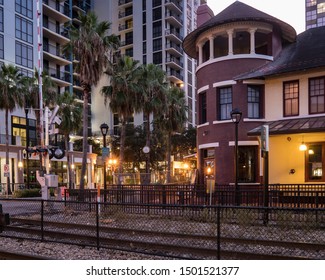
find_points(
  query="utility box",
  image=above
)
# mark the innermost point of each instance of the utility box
(51, 180)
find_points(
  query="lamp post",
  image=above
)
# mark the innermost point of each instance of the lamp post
(27, 142)
(104, 129)
(236, 115)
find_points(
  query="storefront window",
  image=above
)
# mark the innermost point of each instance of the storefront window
(315, 162)
(247, 164)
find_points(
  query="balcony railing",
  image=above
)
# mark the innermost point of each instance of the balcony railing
(127, 42)
(175, 16)
(170, 59)
(122, 27)
(54, 50)
(80, 5)
(174, 2)
(175, 33)
(61, 75)
(172, 72)
(59, 29)
(61, 8)
(172, 45)
(125, 14)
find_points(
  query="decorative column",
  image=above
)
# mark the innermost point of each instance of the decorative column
(211, 41)
(200, 45)
(230, 42)
(252, 32)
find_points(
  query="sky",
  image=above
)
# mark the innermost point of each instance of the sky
(289, 11)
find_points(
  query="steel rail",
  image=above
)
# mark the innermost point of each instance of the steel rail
(7, 255)
(132, 244)
(133, 232)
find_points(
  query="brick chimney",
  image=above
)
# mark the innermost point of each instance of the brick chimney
(204, 13)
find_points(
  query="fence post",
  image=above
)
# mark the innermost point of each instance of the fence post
(299, 197)
(218, 233)
(97, 224)
(42, 220)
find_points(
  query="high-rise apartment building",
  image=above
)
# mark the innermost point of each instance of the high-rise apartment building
(152, 31)
(315, 13)
(32, 33)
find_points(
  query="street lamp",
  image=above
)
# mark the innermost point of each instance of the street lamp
(236, 115)
(104, 129)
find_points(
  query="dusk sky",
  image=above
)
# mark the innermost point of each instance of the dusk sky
(289, 11)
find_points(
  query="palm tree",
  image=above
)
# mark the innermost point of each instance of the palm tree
(71, 114)
(123, 94)
(31, 89)
(32, 99)
(174, 119)
(153, 99)
(10, 98)
(90, 44)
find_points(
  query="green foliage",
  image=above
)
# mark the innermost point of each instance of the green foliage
(96, 146)
(90, 44)
(27, 193)
(184, 143)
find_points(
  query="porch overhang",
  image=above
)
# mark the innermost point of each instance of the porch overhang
(292, 126)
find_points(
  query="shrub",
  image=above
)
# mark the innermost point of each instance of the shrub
(27, 193)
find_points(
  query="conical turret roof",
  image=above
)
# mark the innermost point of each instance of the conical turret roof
(237, 12)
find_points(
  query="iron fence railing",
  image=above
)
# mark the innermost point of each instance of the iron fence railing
(297, 196)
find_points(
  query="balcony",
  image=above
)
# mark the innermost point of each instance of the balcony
(56, 11)
(174, 62)
(79, 6)
(174, 76)
(125, 15)
(173, 18)
(53, 53)
(77, 85)
(174, 49)
(125, 27)
(126, 43)
(55, 32)
(173, 35)
(61, 78)
(174, 6)
(125, 3)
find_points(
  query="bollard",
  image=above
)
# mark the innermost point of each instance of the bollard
(4, 219)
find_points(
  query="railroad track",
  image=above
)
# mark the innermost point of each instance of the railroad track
(6, 255)
(176, 245)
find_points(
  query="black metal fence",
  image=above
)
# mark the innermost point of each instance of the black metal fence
(191, 231)
(296, 196)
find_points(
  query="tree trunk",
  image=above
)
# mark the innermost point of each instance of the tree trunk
(169, 148)
(122, 145)
(7, 151)
(147, 176)
(85, 137)
(69, 162)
